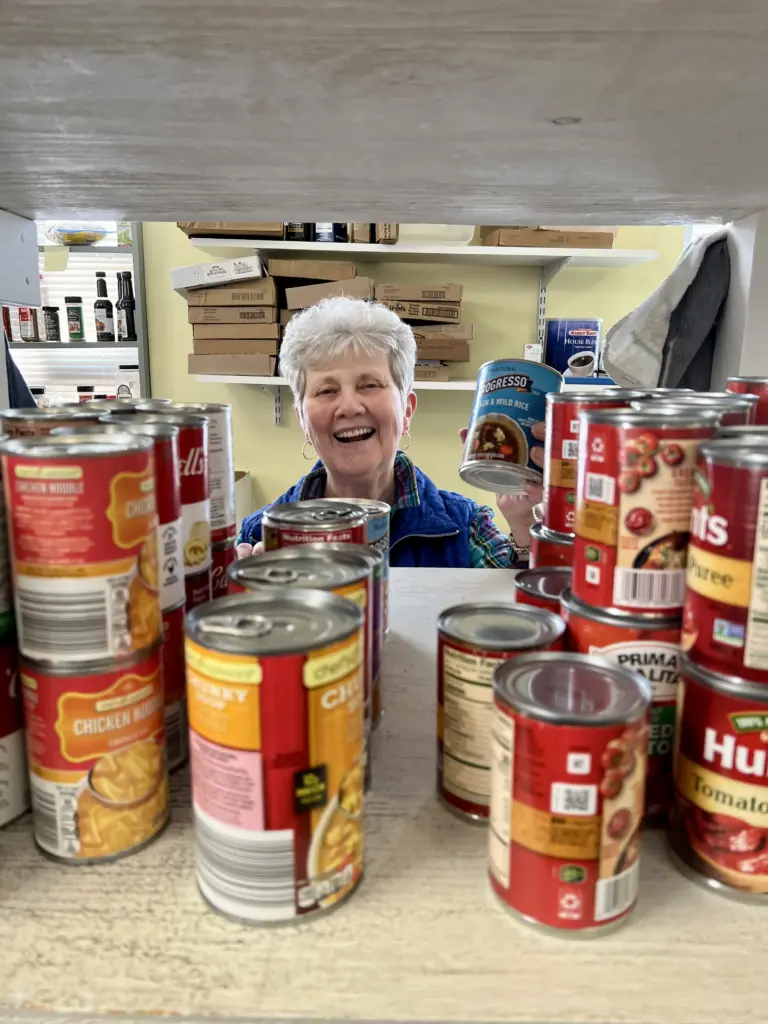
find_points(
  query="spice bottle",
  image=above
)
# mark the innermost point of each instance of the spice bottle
(102, 310)
(75, 321)
(51, 323)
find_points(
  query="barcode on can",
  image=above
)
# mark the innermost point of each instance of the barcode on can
(570, 450)
(601, 488)
(653, 588)
(73, 619)
(613, 896)
(54, 817)
(566, 798)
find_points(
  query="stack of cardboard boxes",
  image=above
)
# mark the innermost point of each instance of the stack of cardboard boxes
(434, 313)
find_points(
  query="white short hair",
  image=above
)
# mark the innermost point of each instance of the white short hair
(340, 326)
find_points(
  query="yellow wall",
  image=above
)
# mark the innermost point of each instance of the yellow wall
(500, 302)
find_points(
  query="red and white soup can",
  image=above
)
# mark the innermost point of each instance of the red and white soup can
(718, 829)
(313, 522)
(752, 386)
(174, 687)
(542, 587)
(549, 547)
(224, 555)
(648, 644)
(731, 409)
(14, 778)
(472, 640)
(568, 756)
(633, 506)
(725, 622)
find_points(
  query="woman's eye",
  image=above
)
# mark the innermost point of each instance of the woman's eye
(326, 391)
(371, 384)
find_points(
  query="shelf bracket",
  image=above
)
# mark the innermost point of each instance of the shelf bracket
(275, 391)
(546, 275)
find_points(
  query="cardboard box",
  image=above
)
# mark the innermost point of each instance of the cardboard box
(232, 314)
(444, 312)
(426, 371)
(456, 353)
(256, 366)
(313, 270)
(439, 334)
(203, 275)
(226, 346)
(231, 229)
(309, 294)
(262, 292)
(361, 233)
(286, 315)
(240, 332)
(419, 292)
(553, 239)
(386, 234)
(244, 503)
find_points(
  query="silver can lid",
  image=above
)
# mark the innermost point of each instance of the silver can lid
(264, 623)
(749, 380)
(749, 450)
(596, 395)
(744, 431)
(112, 425)
(542, 533)
(571, 689)
(500, 626)
(548, 582)
(372, 508)
(98, 445)
(498, 476)
(316, 513)
(614, 617)
(203, 408)
(655, 413)
(177, 419)
(81, 411)
(316, 569)
(747, 689)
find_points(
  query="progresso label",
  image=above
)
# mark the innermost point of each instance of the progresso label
(572, 347)
(510, 398)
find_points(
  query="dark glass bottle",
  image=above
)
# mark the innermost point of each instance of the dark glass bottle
(126, 308)
(102, 310)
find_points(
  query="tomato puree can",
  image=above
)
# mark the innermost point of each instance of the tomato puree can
(97, 758)
(633, 506)
(313, 522)
(646, 643)
(561, 449)
(83, 533)
(549, 547)
(223, 555)
(39, 422)
(14, 778)
(568, 750)
(510, 399)
(472, 640)
(377, 515)
(542, 587)
(718, 830)
(275, 688)
(731, 409)
(752, 386)
(175, 687)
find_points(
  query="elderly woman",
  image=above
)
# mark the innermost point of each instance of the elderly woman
(350, 366)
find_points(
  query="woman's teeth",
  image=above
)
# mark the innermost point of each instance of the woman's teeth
(357, 434)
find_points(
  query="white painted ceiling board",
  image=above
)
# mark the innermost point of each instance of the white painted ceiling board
(438, 111)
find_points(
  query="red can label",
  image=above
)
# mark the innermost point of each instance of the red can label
(632, 516)
(197, 589)
(725, 622)
(277, 536)
(169, 522)
(195, 500)
(14, 780)
(546, 551)
(719, 822)
(223, 557)
(752, 387)
(174, 684)
(552, 604)
(566, 808)
(222, 472)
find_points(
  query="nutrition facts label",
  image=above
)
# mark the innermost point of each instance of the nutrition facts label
(467, 711)
(756, 647)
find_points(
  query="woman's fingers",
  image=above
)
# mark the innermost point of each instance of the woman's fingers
(463, 435)
(539, 431)
(244, 550)
(537, 456)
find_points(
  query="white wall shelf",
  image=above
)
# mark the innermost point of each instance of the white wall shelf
(419, 385)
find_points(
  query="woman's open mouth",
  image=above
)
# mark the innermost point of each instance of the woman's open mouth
(354, 434)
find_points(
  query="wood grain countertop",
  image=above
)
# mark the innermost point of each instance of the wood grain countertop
(421, 940)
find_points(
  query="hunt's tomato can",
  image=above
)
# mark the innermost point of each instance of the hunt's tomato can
(561, 450)
(542, 587)
(731, 409)
(275, 689)
(549, 547)
(725, 622)
(224, 555)
(472, 640)
(648, 644)
(568, 751)
(718, 828)
(83, 533)
(40, 422)
(175, 687)
(633, 505)
(752, 386)
(96, 746)
(14, 779)
(313, 522)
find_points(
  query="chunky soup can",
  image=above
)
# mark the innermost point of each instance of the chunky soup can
(752, 386)
(718, 830)
(472, 640)
(542, 587)
(175, 687)
(39, 422)
(648, 644)
(83, 533)
(510, 398)
(633, 505)
(550, 547)
(313, 522)
(14, 779)
(731, 409)
(275, 689)
(97, 758)
(568, 751)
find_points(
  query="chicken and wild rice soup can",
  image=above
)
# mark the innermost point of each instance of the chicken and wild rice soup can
(549, 547)
(752, 386)
(472, 640)
(14, 779)
(568, 750)
(277, 741)
(97, 760)
(542, 587)
(313, 522)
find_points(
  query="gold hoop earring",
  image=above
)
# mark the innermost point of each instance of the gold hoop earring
(405, 447)
(313, 456)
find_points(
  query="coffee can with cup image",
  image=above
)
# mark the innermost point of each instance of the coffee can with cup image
(572, 347)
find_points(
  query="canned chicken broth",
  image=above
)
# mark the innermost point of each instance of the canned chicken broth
(313, 522)
(472, 640)
(634, 504)
(648, 644)
(14, 779)
(40, 422)
(509, 399)
(96, 746)
(277, 742)
(548, 547)
(731, 409)
(542, 587)
(725, 622)
(83, 525)
(719, 823)
(174, 687)
(223, 555)
(568, 751)
(752, 386)
(377, 515)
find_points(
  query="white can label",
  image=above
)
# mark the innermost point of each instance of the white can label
(170, 557)
(196, 537)
(658, 662)
(222, 471)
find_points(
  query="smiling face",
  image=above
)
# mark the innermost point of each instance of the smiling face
(353, 415)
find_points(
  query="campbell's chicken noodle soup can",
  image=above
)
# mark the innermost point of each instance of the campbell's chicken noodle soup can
(224, 556)
(97, 760)
(313, 522)
(40, 422)
(377, 514)
(562, 448)
(732, 410)
(542, 587)
(725, 622)
(718, 829)
(633, 506)
(472, 640)
(174, 687)
(14, 778)
(549, 547)
(275, 687)
(83, 533)
(648, 644)
(568, 754)
(510, 399)
(752, 386)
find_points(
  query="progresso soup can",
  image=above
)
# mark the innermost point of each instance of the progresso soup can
(510, 399)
